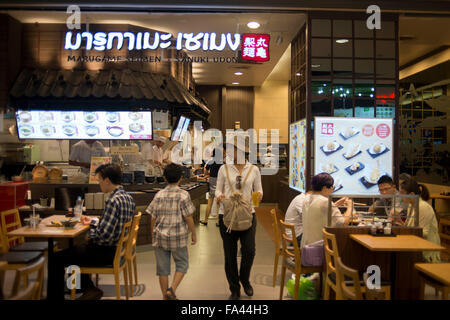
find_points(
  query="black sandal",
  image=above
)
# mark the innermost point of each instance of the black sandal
(170, 295)
(205, 223)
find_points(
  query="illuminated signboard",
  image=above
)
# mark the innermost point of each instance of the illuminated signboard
(102, 41)
(255, 47)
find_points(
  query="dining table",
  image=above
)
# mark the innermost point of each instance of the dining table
(46, 229)
(394, 245)
(439, 272)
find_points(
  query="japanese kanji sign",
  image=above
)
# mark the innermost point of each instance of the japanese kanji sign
(255, 47)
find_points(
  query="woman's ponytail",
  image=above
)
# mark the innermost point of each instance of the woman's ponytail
(424, 193)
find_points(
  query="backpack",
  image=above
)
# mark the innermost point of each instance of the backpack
(237, 214)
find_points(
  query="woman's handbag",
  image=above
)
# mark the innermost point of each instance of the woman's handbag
(238, 214)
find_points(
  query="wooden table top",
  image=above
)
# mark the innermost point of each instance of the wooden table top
(437, 271)
(50, 232)
(439, 196)
(403, 243)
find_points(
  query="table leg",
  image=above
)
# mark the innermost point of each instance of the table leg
(393, 274)
(49, 261)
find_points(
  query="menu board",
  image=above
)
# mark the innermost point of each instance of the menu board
(99, 125)
(355, 151)
(297, 155)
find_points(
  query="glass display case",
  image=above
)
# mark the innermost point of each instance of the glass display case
(381, 209)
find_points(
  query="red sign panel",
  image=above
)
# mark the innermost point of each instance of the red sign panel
(383, 131)
(255, 47)
(327, 128)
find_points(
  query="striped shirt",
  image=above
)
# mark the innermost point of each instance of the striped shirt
(119, 209)
(169, 207)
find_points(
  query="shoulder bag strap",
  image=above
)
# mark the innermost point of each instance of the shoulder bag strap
(228, 178)
(246, 177)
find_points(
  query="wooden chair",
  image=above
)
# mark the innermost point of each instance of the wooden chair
(26, 294)
(292, 259)
(348, 291)
(278, 250)
(331, 255)
(20, 244)
(23, 274)
(131, 251)
(444, 235)
(119, 263)
(14, 260)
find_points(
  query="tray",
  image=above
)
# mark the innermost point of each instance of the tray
(366, 183)
(340, 187)
(327, 153)
(383, 235)
(350, 172)
(378, 154)
(357, 154)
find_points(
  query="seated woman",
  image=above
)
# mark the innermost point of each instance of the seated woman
(315, 209)
(427, 217)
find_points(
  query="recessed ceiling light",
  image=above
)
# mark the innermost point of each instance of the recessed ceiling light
(315, 65)
(235, 83)
(238, 73)
(253, 25)
(342, 40)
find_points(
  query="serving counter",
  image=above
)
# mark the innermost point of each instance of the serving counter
(65, 195)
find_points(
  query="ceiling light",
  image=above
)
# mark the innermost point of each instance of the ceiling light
(298, 74)
(342, 40)
(253, 25)
(238, 73)
(235, 83)
(315, 65)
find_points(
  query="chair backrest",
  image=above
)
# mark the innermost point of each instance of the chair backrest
(276, 229)
(331, 250)
(131, 246)
(7, 215)
(26, 294)
(4, 245)
(292, 250)
(120, 258)
(353, 291)
(24, 273)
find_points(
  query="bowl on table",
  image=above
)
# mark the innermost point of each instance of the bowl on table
(68, 224)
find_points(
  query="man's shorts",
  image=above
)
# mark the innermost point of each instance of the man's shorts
(180, 256)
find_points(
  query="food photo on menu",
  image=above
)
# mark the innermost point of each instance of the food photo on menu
(44, 124)
(355, 151)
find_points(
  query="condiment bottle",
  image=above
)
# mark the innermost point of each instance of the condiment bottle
(373, 229)
(69, 212)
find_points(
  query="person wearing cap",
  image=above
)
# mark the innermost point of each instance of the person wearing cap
(157, 151)
(237, 171)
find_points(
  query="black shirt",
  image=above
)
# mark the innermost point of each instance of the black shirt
(213, 168)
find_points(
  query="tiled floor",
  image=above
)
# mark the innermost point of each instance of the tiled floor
(205, 279)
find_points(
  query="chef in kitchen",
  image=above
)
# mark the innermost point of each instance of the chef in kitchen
(152, 150)
(82, 151)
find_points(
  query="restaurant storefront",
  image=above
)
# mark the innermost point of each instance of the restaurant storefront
(313, 88)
